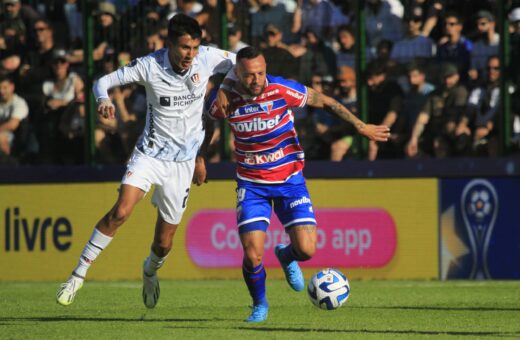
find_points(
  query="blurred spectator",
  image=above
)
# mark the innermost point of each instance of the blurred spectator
(514, 17)
(209, 18)
(13, 110)
(37, 66)
(485, 46)
(106, 34)
(311, 58)
(381, 23)
(429, 11)
(18, 19)
(10, 62)
(346, 54)
(61, 92)
(269, 13)
(324, 123)
(189, 7)
(433, 133)
(385, 100)
(74, 22)
(414, 45)
(414, 101)
(235, 42)
(321, 16)
(344, 140)
(455, 48)
(482, 112)
(279, 60)
(315, 43)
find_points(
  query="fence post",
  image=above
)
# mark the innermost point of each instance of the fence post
(88, 64)
(361, 65)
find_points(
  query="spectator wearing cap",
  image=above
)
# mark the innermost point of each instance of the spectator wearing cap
(385, 99)
(481, 115)
(13, 109)
(321, 16)
(267, 12)
(514, 18)
(455, 48)
(106, 30)
(279, 60)
(485, 46)
(235, 42)
(382, 23)
(430, 12)
(414, 45)
(433, 133)
(61, 93)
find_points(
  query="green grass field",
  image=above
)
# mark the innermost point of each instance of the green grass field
(215, 310)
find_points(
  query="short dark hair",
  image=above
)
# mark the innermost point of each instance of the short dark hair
(180, 25)
(7, 79)
(248, 52)
(453, 14)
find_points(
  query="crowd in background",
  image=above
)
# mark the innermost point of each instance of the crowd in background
(433, 72)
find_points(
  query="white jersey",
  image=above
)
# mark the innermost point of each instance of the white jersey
(174, 129)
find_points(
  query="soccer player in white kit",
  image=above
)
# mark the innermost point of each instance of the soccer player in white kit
(175, 79)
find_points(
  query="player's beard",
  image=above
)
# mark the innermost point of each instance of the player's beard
(255, 90)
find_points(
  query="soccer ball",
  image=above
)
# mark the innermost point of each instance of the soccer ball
(328, 289)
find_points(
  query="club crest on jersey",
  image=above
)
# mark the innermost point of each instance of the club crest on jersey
(267, 106)
(195, 79)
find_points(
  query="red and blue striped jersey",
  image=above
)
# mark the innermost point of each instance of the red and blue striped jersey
(267, 149)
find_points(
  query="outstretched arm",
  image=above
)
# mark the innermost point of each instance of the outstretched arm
(378, 133)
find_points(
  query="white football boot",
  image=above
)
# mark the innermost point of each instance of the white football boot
(151, 289)
(68, 290)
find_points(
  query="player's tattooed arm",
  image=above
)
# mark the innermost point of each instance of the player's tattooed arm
(378, 133)
(316, 99)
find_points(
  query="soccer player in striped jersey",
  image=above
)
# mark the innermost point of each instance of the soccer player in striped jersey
(175, 80)
(270, 161)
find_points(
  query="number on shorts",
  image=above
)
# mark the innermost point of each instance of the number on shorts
(185, 200)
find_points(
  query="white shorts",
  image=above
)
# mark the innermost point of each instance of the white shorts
(172, 182)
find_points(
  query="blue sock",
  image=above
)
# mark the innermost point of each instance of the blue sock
(255, 281)
(288, 254)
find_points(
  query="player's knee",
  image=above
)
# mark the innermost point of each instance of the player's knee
(254, 257)
(120, 214)
(162, 248)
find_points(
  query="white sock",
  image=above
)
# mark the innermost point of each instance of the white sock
(152, 263)
(98, 241)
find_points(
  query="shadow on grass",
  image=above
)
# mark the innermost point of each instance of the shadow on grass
(360, 331)
(100, 319)
(472, 309)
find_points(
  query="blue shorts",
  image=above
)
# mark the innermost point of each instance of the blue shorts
(291, 200)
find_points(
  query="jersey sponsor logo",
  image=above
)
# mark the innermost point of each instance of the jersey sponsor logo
(303, 200)
(296, 95)
(252, 159)
(270, 93)
(256, 124)
(177, 101)
(164, 101)
(251, 109)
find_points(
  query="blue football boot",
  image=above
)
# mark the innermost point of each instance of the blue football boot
(293, 273)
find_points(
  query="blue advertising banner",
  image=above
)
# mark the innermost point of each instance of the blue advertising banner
(480, 228)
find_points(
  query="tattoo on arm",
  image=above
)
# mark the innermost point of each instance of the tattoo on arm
(345, 114)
